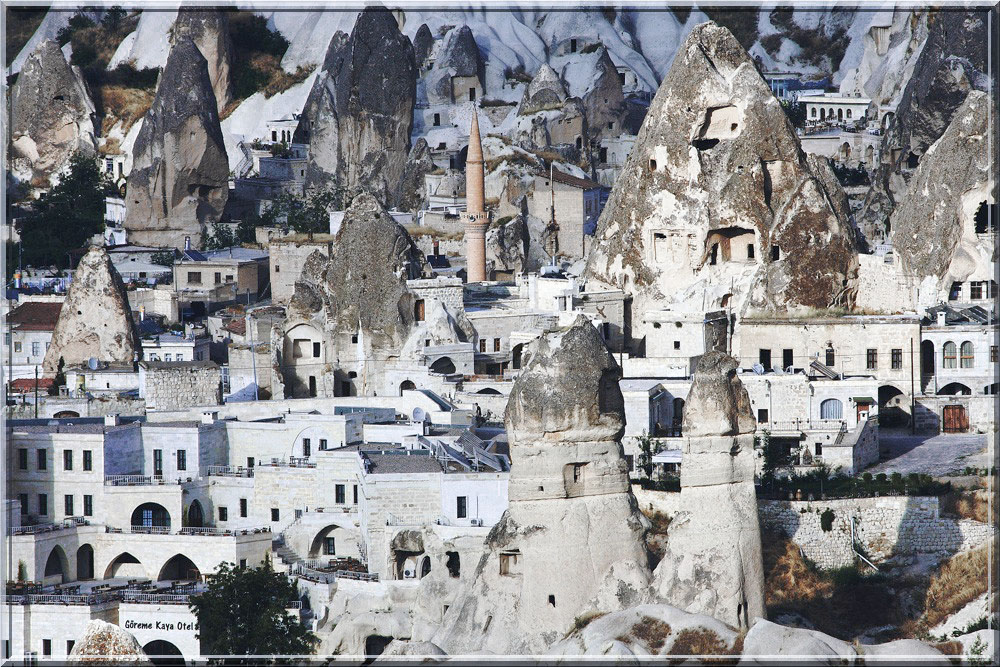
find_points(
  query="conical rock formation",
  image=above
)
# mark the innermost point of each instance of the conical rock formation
(717, 194)
(179, 182)
(96, 319)
(51, 116)
(935, 224)
(359, 114)
(571, 539)
(713, 562)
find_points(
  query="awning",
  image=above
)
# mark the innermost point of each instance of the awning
(668, 456)
(863, 399)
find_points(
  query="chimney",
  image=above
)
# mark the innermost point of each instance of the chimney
(437, 247)
(111, 420)
(187, 242)
(142, 313)
(209, 417)
(940, 318)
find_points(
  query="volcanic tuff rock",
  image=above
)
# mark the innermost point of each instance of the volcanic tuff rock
(934, 225)
(717, 193)
(51, 116)
(423, 42)
(952, 62)
(180, 177)
(209, 30)
(546, 89)
(96, 320)
(104, 642)
(412, 195)
(359, 114)
(604, 103)
(458, 56)
(571, 539)
(713, 562)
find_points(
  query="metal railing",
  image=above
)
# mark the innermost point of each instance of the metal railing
(55, 598)
(292, 462)
(228, 471)
(72, 522)
(805, 424)
(135, 597)
(133, 480)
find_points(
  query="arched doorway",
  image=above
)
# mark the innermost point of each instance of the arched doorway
(927, 357)
(845, 152)
(822, 114)
(840, 114)
(150, 515)
(179, 568)
(57, 564)
(66, 414)
(516, 356)
(954, 389)
(125, 566)
(443, 365)
(333, 541)
(890, 407)
(85, 562)
(195, 515)
(425, 566)
(162, 652)
(376, 644)
(489, 391)
(406, 385)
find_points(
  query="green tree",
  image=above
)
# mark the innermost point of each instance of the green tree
(243, 612)
(222, 237)
(60, 378)
(163, 258)
(648, 448)
(65, 217)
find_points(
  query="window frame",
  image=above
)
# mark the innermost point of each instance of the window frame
(949, 355)
(871, 359)
(462, 507)
(967, 355)
(896, 362)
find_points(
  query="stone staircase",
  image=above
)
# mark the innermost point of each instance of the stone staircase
(287, 555)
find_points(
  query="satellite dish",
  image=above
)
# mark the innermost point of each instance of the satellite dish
(92, 363)
(778, 371)
(758, 369)
(419, 415)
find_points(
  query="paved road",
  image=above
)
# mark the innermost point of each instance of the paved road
(937, 455)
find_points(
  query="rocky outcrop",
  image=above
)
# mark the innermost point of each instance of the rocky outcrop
(545, 90)
(423, 42)
(359, 114)
(458, 57)
(571, 539)
(104, 643)
(96, 319)
(604, 103)
(209, 30)
(940, 227)
(51, 117)
(952, 62)
(717, 204)
(179, 182)
(713, 562)
(412, 195)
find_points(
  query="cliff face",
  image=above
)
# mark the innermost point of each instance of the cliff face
(717, 204)
(179, 181)
(51, 116)
(941, 225)
(96, 320)
(359, 114)
(209, 30)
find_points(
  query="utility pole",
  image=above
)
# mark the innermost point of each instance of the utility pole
(36, 391)
(913, 397)
(253, 355)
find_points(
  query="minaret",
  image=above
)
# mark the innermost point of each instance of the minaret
(476, 220)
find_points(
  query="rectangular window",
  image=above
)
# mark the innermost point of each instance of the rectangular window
(69, 646)
(322, 444)
(764, 357)
(787, 358)
(819, 448)
(43, 504)
(775, 253)
(329, 546)
(993, 353)
(194, 277)
(250, 462)
(223, 514)
(496, 344)
(274, 514)
(830, 357)
(158, 462)
(306, 447)
(88, 460)
(316, 349)
(22, 459)
(36, 349)
(243, 507)
(23, 498)
(976, 290)
(355, 494)
(168, 357)
(341, 494)
(243, 563)
(17, 346)
(182, 459)
(462, 507)
(871, 359)
(762, 416)
(229, 278)
(218, 278)
(88, 506)
(751, 251)
(43, 460)
(46, 647)
(482, 344)
(897, 358)
(68, 505)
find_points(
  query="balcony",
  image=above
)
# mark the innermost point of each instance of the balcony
(66, 524)
(196, 531)
(134, 480)
(228, 471)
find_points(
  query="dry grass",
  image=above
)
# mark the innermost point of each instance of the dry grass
(111, 146)
(123, 104)
(659, 520)
(968, 504)
(958, 582)
(281, 80)
(949, 648)
(700, 641)
(789, 577)
(583, 620)
(650, 631)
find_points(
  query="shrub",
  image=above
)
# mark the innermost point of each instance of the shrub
(651, 631)
(958, 582)
(826, 520)
(585, 619)
(123, 104)
(700, 641)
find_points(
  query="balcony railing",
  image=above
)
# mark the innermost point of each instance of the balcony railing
(153, 598)
(133, 480)
(804, 425)
(92, 599)
(292, 462)
(189, 530)
(72, 522)
(228, 471)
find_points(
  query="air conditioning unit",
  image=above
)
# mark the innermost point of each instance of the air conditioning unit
(477, 522)
(408, 574)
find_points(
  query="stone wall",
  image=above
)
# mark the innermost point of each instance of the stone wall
(446, 290)
(884, 527)
(180, 385)
(49, 406)
(882, 287)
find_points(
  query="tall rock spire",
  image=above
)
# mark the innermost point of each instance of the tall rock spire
(476, 219)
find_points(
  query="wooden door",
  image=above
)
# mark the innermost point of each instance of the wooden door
(955, 419)
(863, 411)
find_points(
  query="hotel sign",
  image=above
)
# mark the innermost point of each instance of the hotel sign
(160, 625)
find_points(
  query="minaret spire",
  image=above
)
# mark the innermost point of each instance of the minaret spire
(476, 220)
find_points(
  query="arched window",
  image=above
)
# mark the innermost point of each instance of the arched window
(848, 113)
(949, 355)
(967, 359)
(831, 408)
(813, 112)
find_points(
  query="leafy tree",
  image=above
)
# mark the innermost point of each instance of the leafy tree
(243, 612)
(113, 17)
(222, 237)
(648, 448)
(66, 217)
(59, 380)
(163, 258)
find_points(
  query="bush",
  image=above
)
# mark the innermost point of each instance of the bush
(700, 641)
(585, 619)
(651, 631)
(826, 520)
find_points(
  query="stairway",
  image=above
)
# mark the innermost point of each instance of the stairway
(287, 555)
